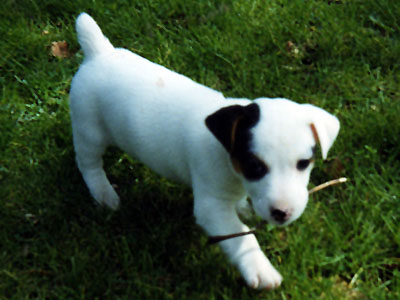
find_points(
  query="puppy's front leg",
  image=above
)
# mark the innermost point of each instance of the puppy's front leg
(219, 217)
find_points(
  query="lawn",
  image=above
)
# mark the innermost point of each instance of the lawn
(342, 55)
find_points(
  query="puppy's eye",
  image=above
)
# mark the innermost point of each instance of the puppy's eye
(259, 168)
(254, 169)
(302, 164)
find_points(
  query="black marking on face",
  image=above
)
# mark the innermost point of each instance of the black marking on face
(252, 167)
(231, 126)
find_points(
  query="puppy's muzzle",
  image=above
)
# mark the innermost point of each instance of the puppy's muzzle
(280, 215)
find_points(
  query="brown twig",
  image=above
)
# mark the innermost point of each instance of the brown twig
(326, 184)
(219, 238)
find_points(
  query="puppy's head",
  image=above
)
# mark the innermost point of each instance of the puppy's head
(271, 143)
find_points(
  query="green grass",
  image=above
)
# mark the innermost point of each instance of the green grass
(340, 55)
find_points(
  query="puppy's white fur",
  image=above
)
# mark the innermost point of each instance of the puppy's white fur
(158, 116)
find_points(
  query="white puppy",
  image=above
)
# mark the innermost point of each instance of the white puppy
(225, 149)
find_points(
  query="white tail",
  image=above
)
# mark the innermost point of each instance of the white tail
(90, 37)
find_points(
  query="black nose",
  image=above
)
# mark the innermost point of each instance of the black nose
(280, 216)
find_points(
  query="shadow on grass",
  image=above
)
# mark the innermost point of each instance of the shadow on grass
(151, 246)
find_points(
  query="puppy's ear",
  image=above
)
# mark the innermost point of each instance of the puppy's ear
(228, 121)
(325, 127)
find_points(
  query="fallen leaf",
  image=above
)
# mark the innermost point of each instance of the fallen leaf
(293, 50)
(60, 49)
(342, 290)
(336, 168)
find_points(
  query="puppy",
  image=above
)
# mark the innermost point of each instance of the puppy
(225, 149)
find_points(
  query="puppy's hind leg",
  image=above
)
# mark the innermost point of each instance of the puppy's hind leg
(89, 151)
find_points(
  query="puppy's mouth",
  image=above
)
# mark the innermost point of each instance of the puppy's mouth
(219, 238)
(276, 219)
(278, 223)
(270, 214)
(274, 215)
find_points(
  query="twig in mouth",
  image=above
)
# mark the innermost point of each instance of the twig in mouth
(219, 238)
(326, 184)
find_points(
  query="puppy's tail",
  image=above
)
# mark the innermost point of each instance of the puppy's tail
(90, 37)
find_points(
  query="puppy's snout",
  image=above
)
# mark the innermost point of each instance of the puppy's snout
(280, 215)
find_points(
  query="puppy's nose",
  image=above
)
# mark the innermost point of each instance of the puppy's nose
(280, 215)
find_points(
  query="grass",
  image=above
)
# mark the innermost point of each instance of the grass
(340, 55)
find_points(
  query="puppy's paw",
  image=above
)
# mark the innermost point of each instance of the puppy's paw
(112, 201)
(108, 197)
(258, 272)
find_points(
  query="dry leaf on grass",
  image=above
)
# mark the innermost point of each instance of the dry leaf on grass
(336, 168)
(343, 290)
(294, 50)
(60, 49)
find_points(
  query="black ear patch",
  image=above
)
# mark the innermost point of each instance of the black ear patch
(231, 126)
(228, 121)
